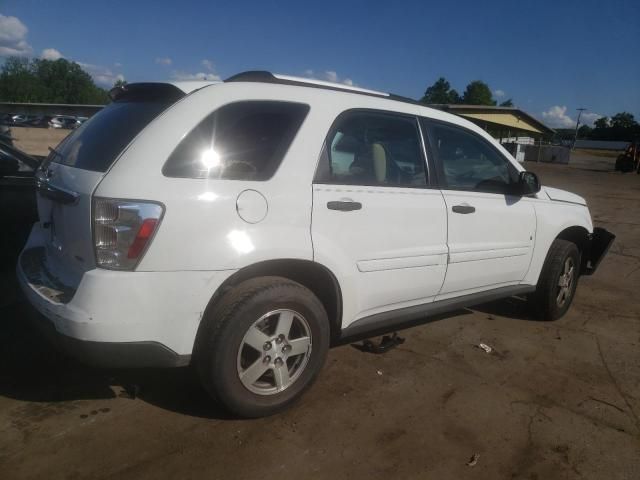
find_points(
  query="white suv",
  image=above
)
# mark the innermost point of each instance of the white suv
(246, 226)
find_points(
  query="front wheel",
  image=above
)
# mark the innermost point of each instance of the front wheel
(558, 281)
(262, 346)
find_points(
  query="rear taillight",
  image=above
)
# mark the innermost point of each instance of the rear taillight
(122, 231)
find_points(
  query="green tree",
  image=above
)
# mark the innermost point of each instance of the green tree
(440, 93)
(18, 83)
(478, 93)
(602, 122)
(48, 81)
(623, 120)
(507, 103)
(119, 83)
(584, 131)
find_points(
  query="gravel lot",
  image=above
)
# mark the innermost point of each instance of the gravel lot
(554, 400)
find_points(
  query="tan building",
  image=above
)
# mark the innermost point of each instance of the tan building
(501, 122)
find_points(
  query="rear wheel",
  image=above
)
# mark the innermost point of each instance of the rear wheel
(558, 281)
(262, 346)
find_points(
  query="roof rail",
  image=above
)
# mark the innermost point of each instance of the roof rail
(262, 76)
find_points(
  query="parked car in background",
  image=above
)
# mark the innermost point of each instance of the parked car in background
(40, 121)
(64, 121)
(244, 226)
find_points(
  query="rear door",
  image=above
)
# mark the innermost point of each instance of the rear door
(72, 171)
(377, 223)
(491, 232)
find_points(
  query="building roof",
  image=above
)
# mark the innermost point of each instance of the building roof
(501, 117)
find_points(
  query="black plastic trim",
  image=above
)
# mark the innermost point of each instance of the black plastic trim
(405, 317)
(600, 242)
(109, 354)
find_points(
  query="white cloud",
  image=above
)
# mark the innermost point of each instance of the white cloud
(196, 76)
(51, 54)
(556, 117)
(207, 64)
(13, 37)
(499, 93)
(589, 118)
(103, 76)
(117, 65)
(329, 76)
(166, 61)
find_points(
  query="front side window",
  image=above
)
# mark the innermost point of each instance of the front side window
(239, 141)
(468, 161)
(366, 148)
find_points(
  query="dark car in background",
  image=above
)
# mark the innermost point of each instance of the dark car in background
(18, 209)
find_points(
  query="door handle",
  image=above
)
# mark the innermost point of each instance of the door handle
(344, 206)
(464, 209)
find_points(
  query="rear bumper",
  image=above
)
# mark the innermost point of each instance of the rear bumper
(599, 243)
(123, 319)
(108, 354)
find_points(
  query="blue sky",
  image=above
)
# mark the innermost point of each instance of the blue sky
(551, 57)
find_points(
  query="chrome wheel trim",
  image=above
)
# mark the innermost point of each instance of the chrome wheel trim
(274, 352)
(565, 282)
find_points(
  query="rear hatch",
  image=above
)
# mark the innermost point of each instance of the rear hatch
(73, 170)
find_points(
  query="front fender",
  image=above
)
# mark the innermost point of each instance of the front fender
(552, 218)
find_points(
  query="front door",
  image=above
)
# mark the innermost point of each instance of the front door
(377, 224)
(491, 231)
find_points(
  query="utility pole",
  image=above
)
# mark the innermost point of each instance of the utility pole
(575, 135)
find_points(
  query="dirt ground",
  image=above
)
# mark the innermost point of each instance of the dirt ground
(36, 141)
(554, 400)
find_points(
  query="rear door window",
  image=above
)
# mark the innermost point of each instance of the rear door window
(371, 148)
(240, 141)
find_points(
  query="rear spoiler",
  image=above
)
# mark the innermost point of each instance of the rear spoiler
(146, 92)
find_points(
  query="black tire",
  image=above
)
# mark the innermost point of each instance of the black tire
(221, 343)
(545, 301)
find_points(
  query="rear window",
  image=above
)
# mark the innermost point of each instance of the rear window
(240, 141)
(97, 143)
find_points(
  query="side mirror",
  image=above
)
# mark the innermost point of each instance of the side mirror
(528, 183)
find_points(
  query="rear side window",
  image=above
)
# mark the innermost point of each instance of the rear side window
(239, 141)
(97, 143)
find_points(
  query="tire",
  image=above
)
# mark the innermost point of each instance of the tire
(556, 287)
(231, 348)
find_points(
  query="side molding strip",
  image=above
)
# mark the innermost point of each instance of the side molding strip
(402, 318)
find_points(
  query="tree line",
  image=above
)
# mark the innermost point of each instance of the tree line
(476, 93)
(48, 81)
(620, 127)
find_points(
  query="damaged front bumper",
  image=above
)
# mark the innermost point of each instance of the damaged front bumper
(599, 243)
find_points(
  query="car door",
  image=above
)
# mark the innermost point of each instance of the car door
(377, 222)
(491, 232)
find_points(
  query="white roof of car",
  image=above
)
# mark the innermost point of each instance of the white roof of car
(188, 86)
